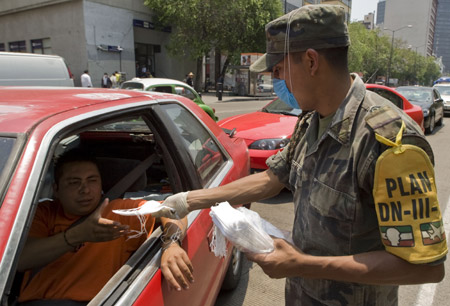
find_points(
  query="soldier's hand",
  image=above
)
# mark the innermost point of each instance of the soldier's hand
(175, 207)
(284, 261)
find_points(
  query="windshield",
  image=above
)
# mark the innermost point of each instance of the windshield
(443, 89)
(417, 95)
(279, 107)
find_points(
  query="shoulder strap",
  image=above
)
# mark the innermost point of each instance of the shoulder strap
(387, 123)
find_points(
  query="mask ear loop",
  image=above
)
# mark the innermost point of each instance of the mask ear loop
(286, 47)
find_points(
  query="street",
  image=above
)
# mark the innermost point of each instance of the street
(255, 288)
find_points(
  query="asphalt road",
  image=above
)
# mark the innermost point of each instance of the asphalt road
(255, 288)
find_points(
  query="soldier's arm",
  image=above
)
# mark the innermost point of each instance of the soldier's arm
(245, 190)
(374, 268)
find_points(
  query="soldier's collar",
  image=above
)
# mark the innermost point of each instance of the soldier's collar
(342, 123)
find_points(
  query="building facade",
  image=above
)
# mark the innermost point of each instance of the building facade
(97, 35)
(381, 8)
(442, 34)
(420, 15)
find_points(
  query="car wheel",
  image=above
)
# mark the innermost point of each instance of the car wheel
(234, 270)
(430, 128)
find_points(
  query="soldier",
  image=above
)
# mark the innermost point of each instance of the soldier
(345, 205)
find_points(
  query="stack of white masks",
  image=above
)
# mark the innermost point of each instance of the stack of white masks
(244, 228)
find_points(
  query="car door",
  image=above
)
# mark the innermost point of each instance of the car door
(439, 102)
(183, 146)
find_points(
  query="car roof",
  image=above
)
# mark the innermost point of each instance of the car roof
(157, 81)
(22, 107)
(29, 54)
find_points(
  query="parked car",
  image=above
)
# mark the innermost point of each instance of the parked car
(265, 131)
(169, 86)
(429, 100)
(122, 129)
(269, 130)
(29, 69)
(414, 111)
(444, 90)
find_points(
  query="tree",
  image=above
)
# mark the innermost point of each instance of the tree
(199, 26)
(369, 54)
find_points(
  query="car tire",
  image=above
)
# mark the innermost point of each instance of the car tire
(234, 270)
(430, 127)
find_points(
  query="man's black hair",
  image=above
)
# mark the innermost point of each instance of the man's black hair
(74, 155)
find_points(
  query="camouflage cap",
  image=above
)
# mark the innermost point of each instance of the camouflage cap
(319, 26)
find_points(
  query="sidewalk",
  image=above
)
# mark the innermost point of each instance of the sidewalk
(210, 97)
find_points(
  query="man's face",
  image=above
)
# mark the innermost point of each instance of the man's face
(80, 188)
(293, 72)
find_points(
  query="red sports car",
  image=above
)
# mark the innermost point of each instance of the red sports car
(269, 130)
(122, 129)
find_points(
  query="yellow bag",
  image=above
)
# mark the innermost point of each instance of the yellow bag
(406, 202)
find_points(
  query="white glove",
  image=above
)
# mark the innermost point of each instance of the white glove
(174, 207)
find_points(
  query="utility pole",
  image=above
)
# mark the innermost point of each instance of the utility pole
(392, 50)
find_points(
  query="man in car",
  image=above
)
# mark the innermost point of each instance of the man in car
(76, 243)
(338, 256)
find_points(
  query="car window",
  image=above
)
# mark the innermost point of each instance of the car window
(121, 145)
(203, 150)
(185, 92)
(389, 95)
(415, 94)
(6, 146)
(436, 94)
(166, 89)
(132, 85)
(443, 90)
(279, 107)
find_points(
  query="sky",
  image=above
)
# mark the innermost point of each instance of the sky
(363, 7)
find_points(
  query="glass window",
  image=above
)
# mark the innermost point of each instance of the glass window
(131, 85)
(390, 96)
(6, 146)
(166, 89)
(202, 147)
(2, 47)
(41, 46)
(185, 92)
(18, 46)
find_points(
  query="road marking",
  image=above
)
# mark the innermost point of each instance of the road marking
(427, 292)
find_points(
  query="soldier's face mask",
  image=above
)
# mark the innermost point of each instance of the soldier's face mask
(280, 88)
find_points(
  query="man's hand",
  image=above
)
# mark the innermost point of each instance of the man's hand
(176, 207)
(96, 229)
(282, 262)
(176, 267)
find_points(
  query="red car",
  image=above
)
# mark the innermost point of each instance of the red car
(122, 128)
(269, 130)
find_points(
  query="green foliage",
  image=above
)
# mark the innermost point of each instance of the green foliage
(199, 26)
(370, 51)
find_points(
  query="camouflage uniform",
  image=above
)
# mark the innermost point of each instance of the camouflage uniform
(332, 181)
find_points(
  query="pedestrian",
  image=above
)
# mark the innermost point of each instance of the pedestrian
(190, 79)
(113, 80)
(86, 79)
(343, 253)
(106, 81)
(118, 78)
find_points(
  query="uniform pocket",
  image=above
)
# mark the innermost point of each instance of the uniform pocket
(332, 203)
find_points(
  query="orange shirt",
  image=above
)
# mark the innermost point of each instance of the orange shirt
(79, 276)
